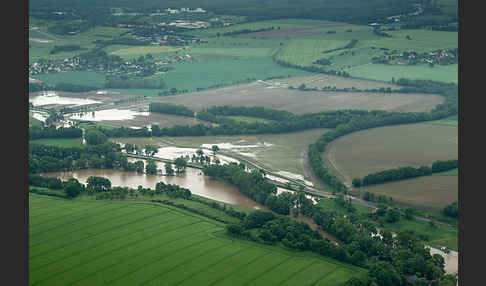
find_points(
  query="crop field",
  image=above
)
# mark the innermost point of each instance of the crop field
(299, 102)
(73, 242)
(323, 80)
(361, 153)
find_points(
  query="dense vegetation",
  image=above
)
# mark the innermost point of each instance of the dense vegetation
(351, 11)
(402, 173)
(398, 255)
(36, 132)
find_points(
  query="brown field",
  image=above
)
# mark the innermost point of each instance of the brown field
(163, 120)
(368, 151)
(322, 81)
(289, 33)
(429, 192)
(299, 102)
(361, 153)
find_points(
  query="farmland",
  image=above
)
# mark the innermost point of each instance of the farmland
(361, 153)
(299, 102)
(125, 243)
(320, 81)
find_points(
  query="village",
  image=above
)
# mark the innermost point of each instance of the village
(142, 66)
(439, 57)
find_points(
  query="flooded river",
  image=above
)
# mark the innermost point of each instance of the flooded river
(192, 179)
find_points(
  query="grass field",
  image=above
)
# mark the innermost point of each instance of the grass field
(284, 24)
(447, 73)
(74, 242)
(88, 78)
(60, 142)
(34, 122)
(304, 50)
(86, 40)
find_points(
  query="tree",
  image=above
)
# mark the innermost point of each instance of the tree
(151, 167)
(73, 188)
(95, 137)
(215, 149)
(451, 210)
(98, 184)
(180, 165)
(168, 169)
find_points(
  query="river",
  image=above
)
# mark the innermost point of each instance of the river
(192, 179)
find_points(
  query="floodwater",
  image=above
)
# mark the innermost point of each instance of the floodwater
(192, 179)
(314, 226)
(51, 98)
(107, 114)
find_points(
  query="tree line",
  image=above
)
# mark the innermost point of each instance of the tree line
(402, 173)
(382, 118)
(36, 132)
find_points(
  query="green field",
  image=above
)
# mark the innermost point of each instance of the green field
(448, 73)
(73, 242)
(224, 71)
(85, 40)
(34, 122)
(87, 78)
(60, 142)
(284, 24)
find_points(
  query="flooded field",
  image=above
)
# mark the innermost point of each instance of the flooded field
(150, 118)
(107, 115)
(54, 99)
(192, 179)
(285, 153)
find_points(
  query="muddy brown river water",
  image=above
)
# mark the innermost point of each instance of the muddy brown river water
(193, 179)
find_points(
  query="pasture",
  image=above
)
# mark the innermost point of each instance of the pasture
(73, 242)
(299, 102)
